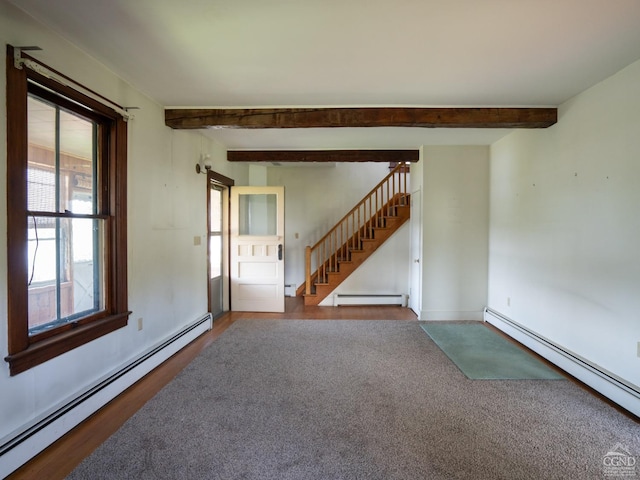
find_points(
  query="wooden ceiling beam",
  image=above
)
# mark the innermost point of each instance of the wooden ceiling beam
(482, 117)
(283, 156)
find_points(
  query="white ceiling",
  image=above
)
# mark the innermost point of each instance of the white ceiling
(255, 53)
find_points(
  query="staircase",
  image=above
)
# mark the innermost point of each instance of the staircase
(356, 236)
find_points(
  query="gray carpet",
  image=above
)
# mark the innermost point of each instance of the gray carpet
(288, 399)
(482, 354)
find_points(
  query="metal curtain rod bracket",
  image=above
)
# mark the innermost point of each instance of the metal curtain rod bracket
(20, 62)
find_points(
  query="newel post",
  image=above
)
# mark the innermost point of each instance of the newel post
(308, 270)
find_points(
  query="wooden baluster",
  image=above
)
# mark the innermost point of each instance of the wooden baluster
(394, 192)
(353, 231)
(367, 225)
(324, 264)
(380, 206)
(365, 233)
(332, 252)
(377, 209)
(392, 187)
(336, 247)
(403, 173)
(388, 198)
(324, 260)
(406, 189)
(321, 263)
(307, 266)
(325, 257)
(370, 216)
(359, 228)
(328, 254)
(345, 253)
(341, 239)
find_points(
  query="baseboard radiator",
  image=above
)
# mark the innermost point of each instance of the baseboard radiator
(372, 299)
(606, 383)
(20, 447)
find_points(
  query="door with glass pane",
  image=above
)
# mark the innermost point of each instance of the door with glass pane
(257, 249)
(216, 281)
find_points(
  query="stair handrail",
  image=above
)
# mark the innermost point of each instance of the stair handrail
(329, 246)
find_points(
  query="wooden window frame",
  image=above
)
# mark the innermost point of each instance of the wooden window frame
(27, 351)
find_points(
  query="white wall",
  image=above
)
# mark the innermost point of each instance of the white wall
(167, 209)
(316, 197)
(455, 212)
(257, 176)
(565, 226)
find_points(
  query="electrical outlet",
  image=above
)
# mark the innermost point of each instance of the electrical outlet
(638, 349)
(508, 301)
(139, 324)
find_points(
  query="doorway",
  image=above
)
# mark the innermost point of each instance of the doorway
(415, 292)
(216, 230)
(218, 242)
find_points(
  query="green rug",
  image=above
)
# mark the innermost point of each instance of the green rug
(482, 354)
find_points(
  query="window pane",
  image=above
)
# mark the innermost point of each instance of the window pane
(62, 158)
(215, 208)
(77, 147)
(65, 270)
(42, 246)
(86, 268)
(215, 255)
(41, 177)
(258, 214)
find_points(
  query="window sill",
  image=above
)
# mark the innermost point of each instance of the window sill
(45, 350)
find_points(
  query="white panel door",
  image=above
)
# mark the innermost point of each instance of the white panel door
(257, 249)
(415, 292)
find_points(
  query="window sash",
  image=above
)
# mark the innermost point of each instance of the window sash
(66, 289)
(64, 284)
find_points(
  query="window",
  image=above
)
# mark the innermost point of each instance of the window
(66, 218)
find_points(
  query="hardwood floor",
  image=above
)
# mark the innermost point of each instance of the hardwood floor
(57, 461)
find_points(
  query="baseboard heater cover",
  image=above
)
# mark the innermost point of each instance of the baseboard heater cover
(606, 383)
(370, 299)
(20, 447)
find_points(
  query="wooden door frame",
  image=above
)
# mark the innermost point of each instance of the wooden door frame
(219, 179)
